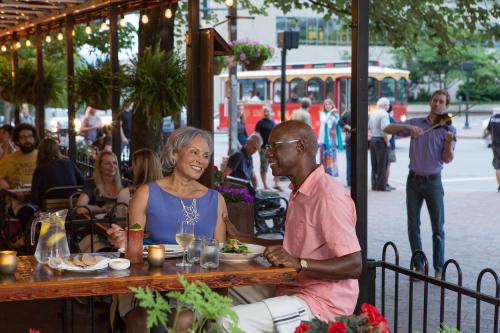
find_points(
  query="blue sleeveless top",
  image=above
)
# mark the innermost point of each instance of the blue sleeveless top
(164, 210)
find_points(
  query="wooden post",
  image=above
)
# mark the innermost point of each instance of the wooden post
(39, 102)
(14, 64)
(193, 63)
(115, 68)
(359, 117)
(70, 73)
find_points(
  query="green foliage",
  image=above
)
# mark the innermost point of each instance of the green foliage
(24, 90)
(447, 329)
(155, 85)
(399, 23)
(485, 76)
(207, 305)
(93, 85)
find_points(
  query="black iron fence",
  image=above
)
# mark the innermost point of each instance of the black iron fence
(428, 306)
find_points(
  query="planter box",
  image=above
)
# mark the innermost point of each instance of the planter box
(241, 214)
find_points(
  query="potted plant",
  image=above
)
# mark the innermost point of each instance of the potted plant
(251, 54)
(219, 64)
(207, 305)
(92, 85)
(25, 83)
(155, 85)
(240, 207)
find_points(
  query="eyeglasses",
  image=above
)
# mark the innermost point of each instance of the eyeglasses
(26, 137)
(272, 145)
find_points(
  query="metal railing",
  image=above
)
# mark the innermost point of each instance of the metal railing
(440, 288)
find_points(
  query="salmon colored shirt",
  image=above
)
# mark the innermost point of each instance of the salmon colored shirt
(321, 224)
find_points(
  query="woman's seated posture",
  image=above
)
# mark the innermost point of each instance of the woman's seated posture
(99, 194)
(158, 205)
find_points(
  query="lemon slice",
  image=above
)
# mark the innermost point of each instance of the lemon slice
(44, 228)
(55, 238)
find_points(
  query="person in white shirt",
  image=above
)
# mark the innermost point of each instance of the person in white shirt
(379, 151)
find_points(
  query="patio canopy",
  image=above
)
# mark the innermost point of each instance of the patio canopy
(22, 16)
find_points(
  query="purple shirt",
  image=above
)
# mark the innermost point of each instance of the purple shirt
(426, 151)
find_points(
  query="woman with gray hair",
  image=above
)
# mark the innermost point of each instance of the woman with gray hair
(158, 205)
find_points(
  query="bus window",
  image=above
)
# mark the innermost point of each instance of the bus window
(388, 88)
(372, 90)
(344, 86)
(315, 90)
(330, 92)
(298, 90)
(277, 91)
(402, 91)
(253, 90)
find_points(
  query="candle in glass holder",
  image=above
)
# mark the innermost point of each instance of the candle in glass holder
(8, 262)
(156, 255)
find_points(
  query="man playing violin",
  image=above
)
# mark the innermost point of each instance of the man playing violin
(432, 144)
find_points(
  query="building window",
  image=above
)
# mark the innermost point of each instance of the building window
(316, 30)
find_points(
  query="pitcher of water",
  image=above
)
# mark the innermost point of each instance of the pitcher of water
(52, 242)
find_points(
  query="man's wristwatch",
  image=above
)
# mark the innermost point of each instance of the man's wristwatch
(303, 264)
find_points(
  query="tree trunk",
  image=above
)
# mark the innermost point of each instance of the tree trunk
(158, 31)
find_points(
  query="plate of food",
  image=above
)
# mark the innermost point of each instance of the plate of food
(234, 250)
(171, 250)
(86, 262)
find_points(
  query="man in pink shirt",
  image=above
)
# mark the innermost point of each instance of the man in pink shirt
(320, 240)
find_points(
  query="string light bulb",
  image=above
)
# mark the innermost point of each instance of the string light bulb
(73, 33)
(229, 3)
(18, 45)
(168, 13)
(88, 29)
(122, 22)
(3, 48)
(144, 19)
(48, 39)
(60, 36)
(104, 26)
(28, 43)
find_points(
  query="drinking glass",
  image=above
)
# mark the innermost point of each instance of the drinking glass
(209, 257)
(184, 237)
(194, 250)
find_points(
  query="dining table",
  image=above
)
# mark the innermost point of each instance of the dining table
(32, 280)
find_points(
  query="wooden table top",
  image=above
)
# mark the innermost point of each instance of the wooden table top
(35, 281)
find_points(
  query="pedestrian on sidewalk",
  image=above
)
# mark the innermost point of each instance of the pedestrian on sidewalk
(494, 129)
(392, 150)
(329, 137)
(432, 144)
(263, 128)
(379, 152)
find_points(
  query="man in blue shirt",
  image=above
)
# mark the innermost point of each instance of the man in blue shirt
(240, 164)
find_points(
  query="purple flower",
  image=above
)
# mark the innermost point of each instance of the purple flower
(243, 56)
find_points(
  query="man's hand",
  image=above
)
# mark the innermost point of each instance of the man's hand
(449, 137)
(277, 256)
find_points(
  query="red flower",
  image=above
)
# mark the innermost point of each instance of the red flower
(374, 317)
(34, 331)
(303, 327)
(215, 168)
(337, 327)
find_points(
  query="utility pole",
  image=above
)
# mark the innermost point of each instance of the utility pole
(233, 81)
(467, 67)
(287, 40)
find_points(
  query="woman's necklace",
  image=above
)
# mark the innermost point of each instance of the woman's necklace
(190, 212)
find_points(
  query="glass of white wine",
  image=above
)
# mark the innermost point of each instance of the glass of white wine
(184, 237)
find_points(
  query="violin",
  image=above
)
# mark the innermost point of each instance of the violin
(443, 121)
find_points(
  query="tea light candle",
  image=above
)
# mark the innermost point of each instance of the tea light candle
(8, 262)
(156, 255)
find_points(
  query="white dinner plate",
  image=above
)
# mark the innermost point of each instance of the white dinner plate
(171, 250)
(102, 264)
(253, 252)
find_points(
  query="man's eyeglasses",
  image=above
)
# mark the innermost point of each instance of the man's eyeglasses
(272, 145)
(26, 137)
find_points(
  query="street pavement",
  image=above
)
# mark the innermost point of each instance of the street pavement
(472, 227)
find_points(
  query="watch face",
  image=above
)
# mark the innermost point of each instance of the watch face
(303, 263)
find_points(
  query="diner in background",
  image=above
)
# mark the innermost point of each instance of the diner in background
(52, 170)
(329, 137)
(6, 144)
(146, 167)
(89, 126)
(320, 242)
(158, 205)
(240, 164)
(16, 170)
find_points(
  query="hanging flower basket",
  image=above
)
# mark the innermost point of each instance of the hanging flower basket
(219, 64)
(254, 64)
(251, 54)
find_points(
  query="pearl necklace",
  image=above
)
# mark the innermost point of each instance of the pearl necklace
(190, 212)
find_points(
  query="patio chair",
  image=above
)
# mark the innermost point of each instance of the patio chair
(60, 197)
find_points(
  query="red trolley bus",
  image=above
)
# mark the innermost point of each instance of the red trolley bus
(316, 81)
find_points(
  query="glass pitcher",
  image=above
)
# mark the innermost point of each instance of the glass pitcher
(52, 242)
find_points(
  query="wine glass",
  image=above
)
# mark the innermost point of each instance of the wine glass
(184, 237)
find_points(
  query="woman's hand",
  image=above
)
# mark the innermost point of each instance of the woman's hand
(117, 237)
